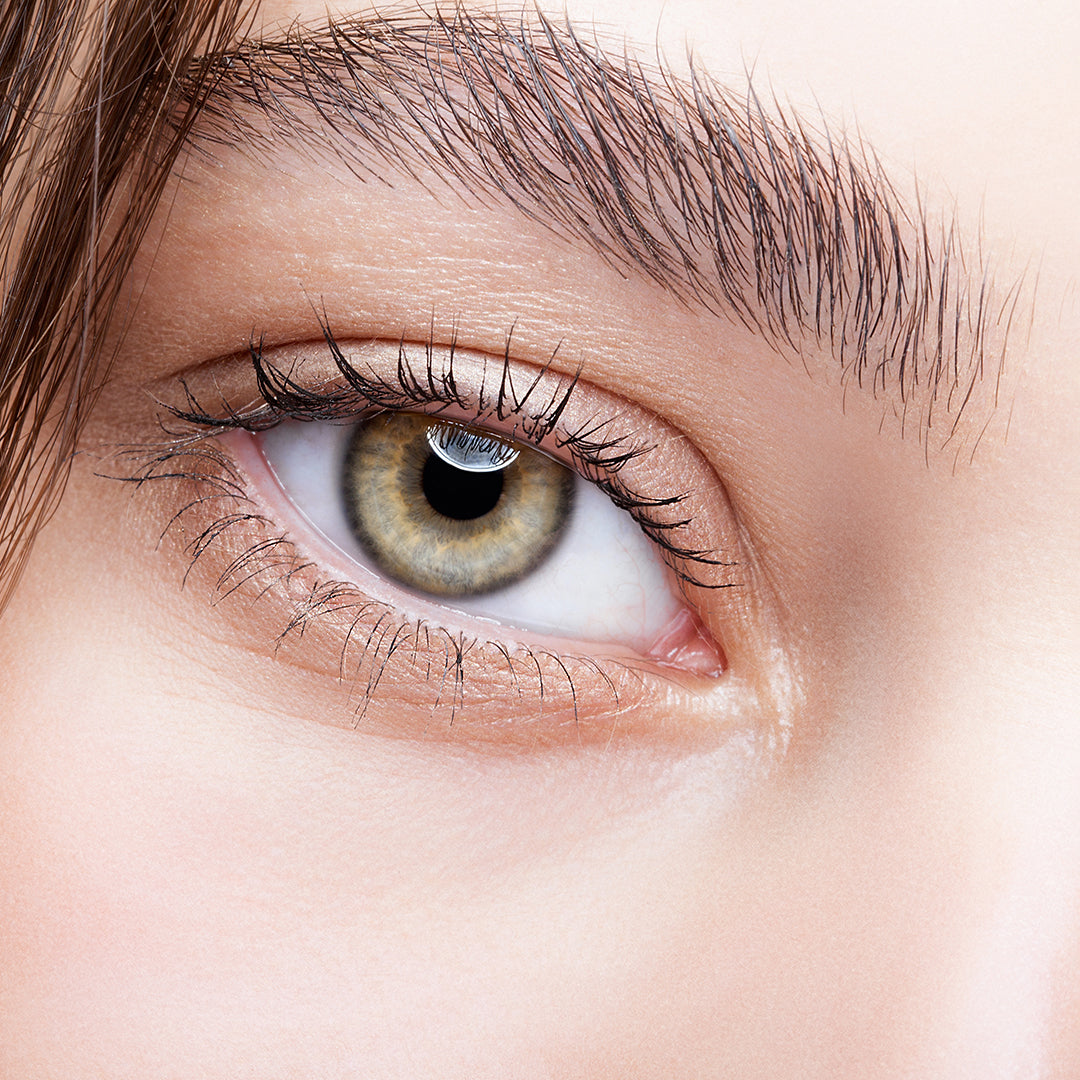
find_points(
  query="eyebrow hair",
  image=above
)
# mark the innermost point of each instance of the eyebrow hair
(730, 206)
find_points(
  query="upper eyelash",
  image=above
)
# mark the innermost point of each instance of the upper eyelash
(597, 456)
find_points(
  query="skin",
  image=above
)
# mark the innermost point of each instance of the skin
(863, 861)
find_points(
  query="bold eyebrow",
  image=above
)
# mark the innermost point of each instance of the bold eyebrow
(739, 208)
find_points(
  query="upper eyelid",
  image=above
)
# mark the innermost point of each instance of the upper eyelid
(725, 203)
(607, 443)
(336, 386)
(549, 389)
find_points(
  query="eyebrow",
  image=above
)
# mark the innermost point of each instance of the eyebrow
(731, 206)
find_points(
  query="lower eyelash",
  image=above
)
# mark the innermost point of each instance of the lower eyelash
(214, 505)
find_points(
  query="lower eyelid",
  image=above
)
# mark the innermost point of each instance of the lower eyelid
(401, 676)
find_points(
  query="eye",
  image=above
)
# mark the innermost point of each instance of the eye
(458, 540)
(478, 523)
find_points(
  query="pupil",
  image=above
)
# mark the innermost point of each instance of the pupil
(458, 494)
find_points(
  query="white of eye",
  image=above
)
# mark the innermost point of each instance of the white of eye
(604, 581)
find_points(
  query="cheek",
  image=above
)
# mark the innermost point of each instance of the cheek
(182, 852)
(314, 902)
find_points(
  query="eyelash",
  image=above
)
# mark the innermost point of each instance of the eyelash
(597, 458)
(533, 416)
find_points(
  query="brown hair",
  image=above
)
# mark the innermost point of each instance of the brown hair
(91, 120)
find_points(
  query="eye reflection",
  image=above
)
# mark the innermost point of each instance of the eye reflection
(448, 510)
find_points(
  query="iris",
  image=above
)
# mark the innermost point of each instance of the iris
(450, 510)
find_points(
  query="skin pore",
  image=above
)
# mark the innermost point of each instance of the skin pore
(853, 853)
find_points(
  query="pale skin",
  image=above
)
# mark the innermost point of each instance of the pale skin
(859, 857)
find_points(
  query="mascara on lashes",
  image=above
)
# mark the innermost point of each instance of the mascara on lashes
(529, 405)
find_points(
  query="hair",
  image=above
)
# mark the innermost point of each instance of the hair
(96, 99)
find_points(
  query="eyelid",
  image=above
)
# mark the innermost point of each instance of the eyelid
(627, 450)
(221, 394)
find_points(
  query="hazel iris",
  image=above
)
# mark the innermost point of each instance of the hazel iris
(451, 510)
